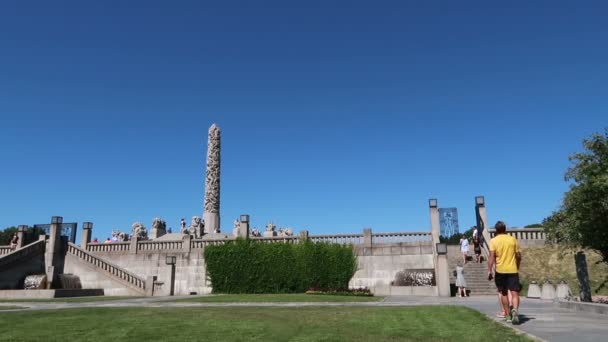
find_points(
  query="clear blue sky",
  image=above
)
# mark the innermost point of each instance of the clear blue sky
(335, 115)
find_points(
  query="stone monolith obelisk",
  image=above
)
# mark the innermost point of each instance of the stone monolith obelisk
(211, 213)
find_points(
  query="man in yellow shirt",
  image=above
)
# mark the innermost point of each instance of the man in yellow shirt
(506, 255)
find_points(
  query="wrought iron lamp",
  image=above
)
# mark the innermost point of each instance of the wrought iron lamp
(170, 259)
(442, 248)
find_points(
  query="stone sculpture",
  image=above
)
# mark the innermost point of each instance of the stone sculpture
(270, 232)
(236, 227)
(139, 231)
(196, 229)
(159, 228)
(255, 232)
(285, 232)
(211, 213)
(119, 236)
(35, 282)
(414, 277)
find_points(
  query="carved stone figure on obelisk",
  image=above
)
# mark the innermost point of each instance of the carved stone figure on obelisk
(211, 214)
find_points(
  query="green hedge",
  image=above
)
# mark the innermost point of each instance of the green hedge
(245, 266)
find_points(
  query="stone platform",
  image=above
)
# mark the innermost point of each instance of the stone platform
(41, 294)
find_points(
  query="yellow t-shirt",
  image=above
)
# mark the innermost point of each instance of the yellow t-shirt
(505, 247)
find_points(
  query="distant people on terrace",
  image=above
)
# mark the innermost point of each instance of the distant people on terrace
(95, 241)
(108, 241)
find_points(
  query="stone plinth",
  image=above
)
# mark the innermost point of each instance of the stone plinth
(563, 291)
(547, 291)
(534, 290)
(270, 233)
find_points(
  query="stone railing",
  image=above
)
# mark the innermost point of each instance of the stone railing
(524, 233)
(413, 237)
(31, 249)
(277, 239)
(343, 239)
(108, 247)
(116, 271)
(199, 243)
(5, 250)
(159, 245)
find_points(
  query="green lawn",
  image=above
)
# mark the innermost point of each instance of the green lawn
(428, 323)
(278, 298)
(67, 300)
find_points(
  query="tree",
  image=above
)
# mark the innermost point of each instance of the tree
(6, 235)
(534, 225)
(582, 219)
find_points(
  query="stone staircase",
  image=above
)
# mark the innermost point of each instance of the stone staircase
(475, 275)
(133, 281)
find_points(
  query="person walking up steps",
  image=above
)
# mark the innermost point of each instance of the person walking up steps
(506, 255)
(461, 283)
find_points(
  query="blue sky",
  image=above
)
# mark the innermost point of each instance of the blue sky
(335, 116)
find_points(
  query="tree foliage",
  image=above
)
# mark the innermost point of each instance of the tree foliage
(6, 235)
(582, 219)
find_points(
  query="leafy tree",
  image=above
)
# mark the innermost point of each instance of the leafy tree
(534, 225)
(582, 219)
(6, 235)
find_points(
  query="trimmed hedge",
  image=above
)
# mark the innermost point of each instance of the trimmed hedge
(245, 266)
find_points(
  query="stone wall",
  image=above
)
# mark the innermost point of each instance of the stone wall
(380, 257)
(378, 265)
(12, 275)
(190, 273)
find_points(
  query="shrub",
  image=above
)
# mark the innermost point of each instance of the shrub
(245, 266)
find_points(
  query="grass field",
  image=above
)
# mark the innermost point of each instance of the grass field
(66, 300)
(278, 298)
(430, 323)
(554, 264)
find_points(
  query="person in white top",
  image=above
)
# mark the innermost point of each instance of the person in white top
(464, 248)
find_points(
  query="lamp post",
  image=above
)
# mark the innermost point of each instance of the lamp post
(442, 248)
(171, 260)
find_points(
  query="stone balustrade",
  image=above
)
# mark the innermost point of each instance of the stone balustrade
(407, 237)
(112, 269)
(524, 234)
(108, 247)
(5, 250)
(277, 239)
(159, 245)
(343, 239)
(32, 248)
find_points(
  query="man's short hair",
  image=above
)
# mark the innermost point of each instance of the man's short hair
(500, 227)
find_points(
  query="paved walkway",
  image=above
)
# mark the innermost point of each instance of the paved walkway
(539, 318)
